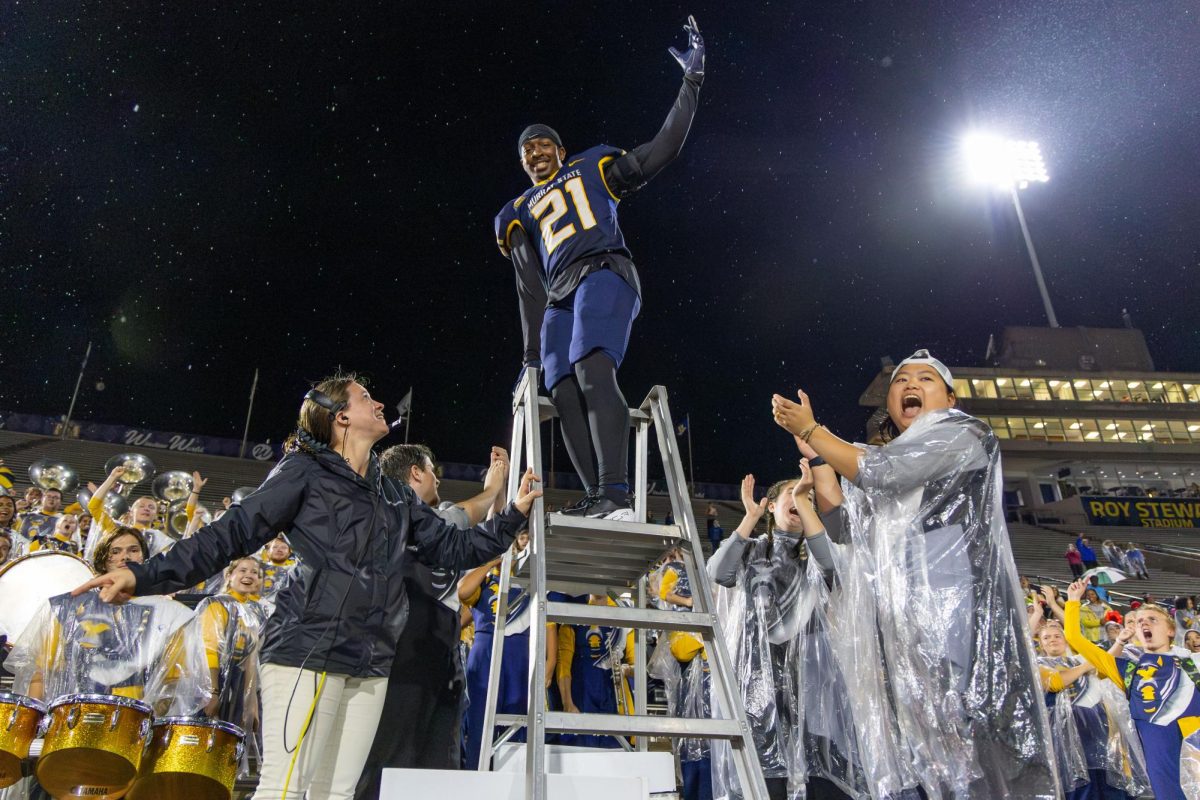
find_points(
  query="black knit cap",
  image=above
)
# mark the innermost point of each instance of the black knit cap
(539, 131)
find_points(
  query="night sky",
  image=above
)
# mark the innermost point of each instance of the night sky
(201, 189)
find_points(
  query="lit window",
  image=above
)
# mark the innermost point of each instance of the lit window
(1055, 383)
(1134, 384)
(1105, 385)
(1149, 426)
(1076, 426)
(1093, 435)
(1147, 435)
(1039, 425)
(1112, 426)
(1158, 385)
(1025, 382)
(1193, 428)
(1002, 381)
(1079, 384)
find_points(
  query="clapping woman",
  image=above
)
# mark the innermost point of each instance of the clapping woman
(924, 514)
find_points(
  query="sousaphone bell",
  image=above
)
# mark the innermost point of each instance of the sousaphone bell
(137, 469)
(49, 474)
(172, 486)
(177, 521)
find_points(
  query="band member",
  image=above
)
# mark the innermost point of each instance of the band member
(142, 514)
(277, 567)
(926, 523)
(40, 520)
(64, 537)
(591, 672)
(1091, 747)
(210, 668)
(578, 288)
(330, 643)
(1161, 684)
(479, 590)
(681, 663)
(675, 588)
(79, 644)
(18, 544)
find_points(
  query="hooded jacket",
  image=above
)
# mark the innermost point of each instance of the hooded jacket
(344, 607)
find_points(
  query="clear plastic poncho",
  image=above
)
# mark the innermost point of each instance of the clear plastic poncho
(210, 667)
(848, 737)
(1069, 752)
(1189, 765)
(931, 553)
(688, 688)
(761, 616)
(82, 645)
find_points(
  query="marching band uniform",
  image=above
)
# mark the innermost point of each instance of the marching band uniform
(587, 656)
(1163, 690)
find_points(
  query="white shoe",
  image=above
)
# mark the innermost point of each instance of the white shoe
(622, 515)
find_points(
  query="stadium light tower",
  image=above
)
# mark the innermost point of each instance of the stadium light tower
(1011, 165)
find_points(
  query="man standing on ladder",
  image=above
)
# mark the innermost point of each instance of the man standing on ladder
(578, 288)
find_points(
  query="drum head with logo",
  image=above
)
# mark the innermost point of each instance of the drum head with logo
(28, 582)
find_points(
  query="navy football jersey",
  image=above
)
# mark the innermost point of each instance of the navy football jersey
(570, 216)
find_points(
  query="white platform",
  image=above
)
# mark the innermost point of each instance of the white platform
(658, 768)
(437, 784)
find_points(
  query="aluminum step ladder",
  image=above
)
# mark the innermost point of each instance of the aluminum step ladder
(588, 556)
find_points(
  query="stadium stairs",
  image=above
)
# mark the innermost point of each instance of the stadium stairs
(1039, 550)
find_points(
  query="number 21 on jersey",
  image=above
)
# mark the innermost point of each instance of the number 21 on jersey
(556, 203)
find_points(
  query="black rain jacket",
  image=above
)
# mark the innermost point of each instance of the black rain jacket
(344, 606)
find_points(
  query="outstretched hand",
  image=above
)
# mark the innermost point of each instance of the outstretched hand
(692, 59)
(805, 484)
(526, 494)
(115, 587)
(1075, 590)
(793, 417)
(754, 508)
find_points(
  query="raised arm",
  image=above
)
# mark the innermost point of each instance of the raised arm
(1105, 664)
(630, 172)
(477, 507)
(440, 544)
(825, 478)
(96, 503)
(723, 565)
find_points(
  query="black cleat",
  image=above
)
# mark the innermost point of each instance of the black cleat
(580, 508)
(614, 504)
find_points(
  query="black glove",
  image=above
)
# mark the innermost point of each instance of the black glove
(692, 60)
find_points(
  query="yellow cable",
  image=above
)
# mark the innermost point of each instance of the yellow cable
(287, 782)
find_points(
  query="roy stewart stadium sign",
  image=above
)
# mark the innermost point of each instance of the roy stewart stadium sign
(1146, 512)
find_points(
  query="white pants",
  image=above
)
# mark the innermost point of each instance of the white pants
(334, 749)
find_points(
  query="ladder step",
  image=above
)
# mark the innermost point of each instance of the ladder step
(632, 725)
(609, 531)
(622, 617)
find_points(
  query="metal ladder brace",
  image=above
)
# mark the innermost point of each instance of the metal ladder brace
(579, 556)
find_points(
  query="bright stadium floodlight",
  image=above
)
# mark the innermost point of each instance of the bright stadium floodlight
(1010, 165)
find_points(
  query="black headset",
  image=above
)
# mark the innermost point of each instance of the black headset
(325, 401)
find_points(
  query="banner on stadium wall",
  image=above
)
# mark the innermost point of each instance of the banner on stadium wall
(137, 438)
(1145, 512)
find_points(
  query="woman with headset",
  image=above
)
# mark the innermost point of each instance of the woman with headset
(328, 646)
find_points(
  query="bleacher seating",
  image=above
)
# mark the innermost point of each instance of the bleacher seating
(1039, 552)
(20, 450)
